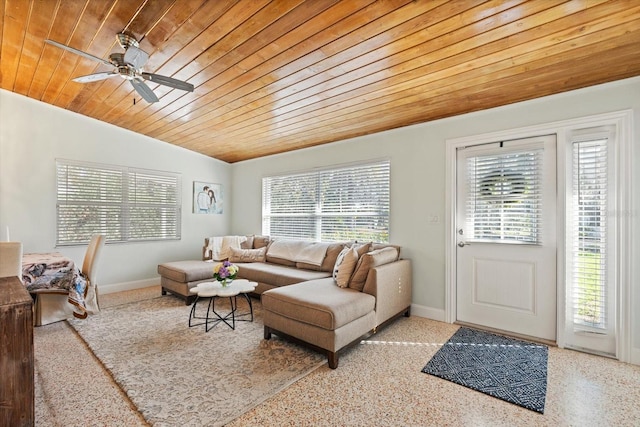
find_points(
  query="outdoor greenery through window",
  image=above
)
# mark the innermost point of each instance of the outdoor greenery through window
(589, 249)
(123, 203)
(347, 203)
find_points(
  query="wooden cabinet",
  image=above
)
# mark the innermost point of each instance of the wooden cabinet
(16, 354)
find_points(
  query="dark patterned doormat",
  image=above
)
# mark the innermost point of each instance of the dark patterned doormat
(506, 368)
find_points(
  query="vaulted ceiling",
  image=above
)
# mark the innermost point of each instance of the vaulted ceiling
(275, 76)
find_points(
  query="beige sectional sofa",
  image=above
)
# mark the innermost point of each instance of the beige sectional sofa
(326, 295)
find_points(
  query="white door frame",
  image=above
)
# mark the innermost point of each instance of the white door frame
(623, 121)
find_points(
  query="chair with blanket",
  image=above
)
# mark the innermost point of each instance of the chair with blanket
(53, 305)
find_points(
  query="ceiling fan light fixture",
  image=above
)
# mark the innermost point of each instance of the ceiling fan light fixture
(117, 59)
(126, 72)
(126, 40)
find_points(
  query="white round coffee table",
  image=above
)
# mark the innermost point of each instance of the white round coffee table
(213, 290)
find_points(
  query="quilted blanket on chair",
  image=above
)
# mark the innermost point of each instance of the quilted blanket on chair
(55, 272)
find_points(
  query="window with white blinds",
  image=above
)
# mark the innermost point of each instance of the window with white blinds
(589, 234)
(123, 203)
(504, 197)
(348, 203)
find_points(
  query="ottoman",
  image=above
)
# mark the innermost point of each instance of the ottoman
(179, 277)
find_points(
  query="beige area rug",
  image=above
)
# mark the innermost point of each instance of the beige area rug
(176, 375)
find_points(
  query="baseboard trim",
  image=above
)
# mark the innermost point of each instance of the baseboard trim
(128, 286)
(428, 312)
(635, 356)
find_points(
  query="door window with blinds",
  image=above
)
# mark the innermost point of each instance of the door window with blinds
(503, 195)
(591, 247)
(125, 204)
(346, 203)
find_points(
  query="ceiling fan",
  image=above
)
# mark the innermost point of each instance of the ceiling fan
(128, 65)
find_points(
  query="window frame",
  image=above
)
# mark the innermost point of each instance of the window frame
(603, 333)
(117, 210)
(522, 159)
(319, 208)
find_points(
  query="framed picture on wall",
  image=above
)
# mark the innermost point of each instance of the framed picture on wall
(207, 198)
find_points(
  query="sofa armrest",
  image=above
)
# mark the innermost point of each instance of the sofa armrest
(391, 285)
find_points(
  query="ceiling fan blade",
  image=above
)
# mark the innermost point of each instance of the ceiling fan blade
(144, 90)
(78, 52)
(95, 77)
(168, 81)
(136, 57)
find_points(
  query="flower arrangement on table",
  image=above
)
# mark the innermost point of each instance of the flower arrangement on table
(225, 272)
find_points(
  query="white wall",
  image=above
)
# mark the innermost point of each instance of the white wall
(417, 156)
(33, 134)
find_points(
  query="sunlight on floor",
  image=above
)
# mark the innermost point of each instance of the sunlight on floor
(422, 344)
(402, 343)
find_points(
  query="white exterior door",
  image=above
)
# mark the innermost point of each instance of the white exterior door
(506, 235)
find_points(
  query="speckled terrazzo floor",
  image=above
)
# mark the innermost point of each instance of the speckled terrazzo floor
(378, 383)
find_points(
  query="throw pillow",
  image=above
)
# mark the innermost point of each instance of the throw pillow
(362, 248)
(248, 255)
(345, 263)
(367, 262)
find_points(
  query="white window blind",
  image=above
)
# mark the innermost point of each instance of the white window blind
(348, 203)
(123, 203)
(589, 234)
(504, 199)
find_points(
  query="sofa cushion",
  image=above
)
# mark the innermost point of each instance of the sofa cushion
(329, 259)
(375, 246)
(280, 261)
(248, 255)
(345, 264)
(287, 251)
(247, 244)
(276, 275)
(368, 261)
(319, 302)
(186, 271)
(261, 241)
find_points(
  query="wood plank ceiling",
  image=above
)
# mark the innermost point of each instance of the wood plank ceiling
(275, 76)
